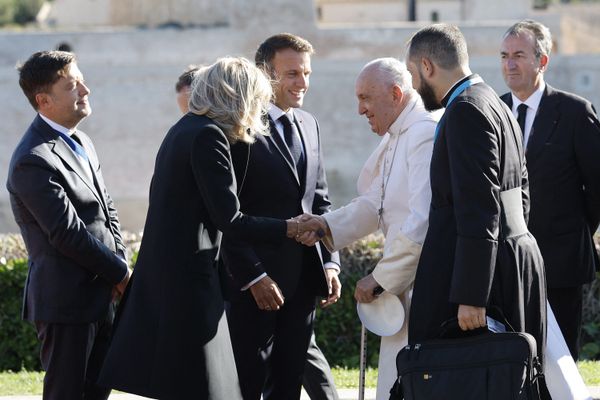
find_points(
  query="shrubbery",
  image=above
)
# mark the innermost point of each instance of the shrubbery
(337, 327)
(18, 343)
(590, 338)
(19, 11)
(19, 347)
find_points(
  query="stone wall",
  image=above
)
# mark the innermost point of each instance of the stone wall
(132, 72)
(377, 11)
(148, 13)
(181, 13)
(580, 28)
(65, 13)
(152, 13)
(156, 12)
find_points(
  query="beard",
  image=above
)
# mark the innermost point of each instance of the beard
(428, 95)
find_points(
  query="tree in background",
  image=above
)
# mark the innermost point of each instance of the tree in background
(19, 12)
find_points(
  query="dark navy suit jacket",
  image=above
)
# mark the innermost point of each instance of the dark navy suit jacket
(69, 225)
(269, 185)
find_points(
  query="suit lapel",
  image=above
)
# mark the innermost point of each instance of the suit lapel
(545, 122)
(94, 166)
(282, 148)
(64, 152)
(507, 98)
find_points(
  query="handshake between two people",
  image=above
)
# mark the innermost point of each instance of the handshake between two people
(307, 229)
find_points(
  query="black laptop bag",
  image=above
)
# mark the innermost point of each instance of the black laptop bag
(488, 366)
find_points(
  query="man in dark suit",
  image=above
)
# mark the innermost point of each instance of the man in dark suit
(477, 253)
(562, 141)
(70, 227)
(317, 379)
(274, 289)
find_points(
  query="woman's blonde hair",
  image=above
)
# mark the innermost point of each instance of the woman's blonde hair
(235, 94)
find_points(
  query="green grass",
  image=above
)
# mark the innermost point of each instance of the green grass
(590, 371)
(26, 382)
(348, 378)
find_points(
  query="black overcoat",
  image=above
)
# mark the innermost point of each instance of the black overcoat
(477, 250)
(171, 338)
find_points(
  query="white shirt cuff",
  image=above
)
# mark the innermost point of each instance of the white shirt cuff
(331, 265)
(126, 269)
(247, 286)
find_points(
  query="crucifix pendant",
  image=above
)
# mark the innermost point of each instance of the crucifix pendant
(379, 216)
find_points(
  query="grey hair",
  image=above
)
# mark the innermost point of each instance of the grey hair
(541, 35)
(235, 94)
(443, 44)
(393, 71)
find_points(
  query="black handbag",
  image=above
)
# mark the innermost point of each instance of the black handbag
(485, 366)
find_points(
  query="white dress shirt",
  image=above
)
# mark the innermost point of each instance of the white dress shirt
(69, 132)
(533, 103)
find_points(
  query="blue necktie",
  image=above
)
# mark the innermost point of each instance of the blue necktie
(75, 144)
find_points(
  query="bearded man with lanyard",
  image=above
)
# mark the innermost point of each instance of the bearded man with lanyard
(477, 252)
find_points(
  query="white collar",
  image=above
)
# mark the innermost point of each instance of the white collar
(275, 112)
(414, 111)
(533, 101)
(56, 126)
(398, 125)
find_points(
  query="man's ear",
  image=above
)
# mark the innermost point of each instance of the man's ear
(544, 59)
(427, 67)
(397, 93)
(42, 100)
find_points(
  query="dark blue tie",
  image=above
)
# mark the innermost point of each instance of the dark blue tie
(292, 140)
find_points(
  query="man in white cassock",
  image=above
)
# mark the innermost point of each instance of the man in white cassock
(394, 194)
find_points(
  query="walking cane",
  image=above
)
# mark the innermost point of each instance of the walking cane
(363, 353)
(363, 362)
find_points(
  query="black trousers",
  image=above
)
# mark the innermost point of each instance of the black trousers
(270, 346)
(72, 356)
(567, 305)
(318, 380)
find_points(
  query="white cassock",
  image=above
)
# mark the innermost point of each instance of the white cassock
(562, 377)
(401, 163)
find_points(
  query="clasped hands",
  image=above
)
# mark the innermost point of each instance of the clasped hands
(307, 229)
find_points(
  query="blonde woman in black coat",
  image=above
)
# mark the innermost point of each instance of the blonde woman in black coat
(171, 340)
